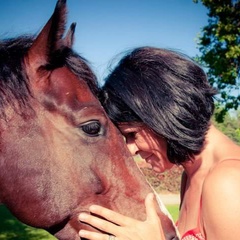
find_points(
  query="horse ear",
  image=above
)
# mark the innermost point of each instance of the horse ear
(49, 39)
(69, 38)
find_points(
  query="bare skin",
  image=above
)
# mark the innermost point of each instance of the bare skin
(124, 227)
(213, 179)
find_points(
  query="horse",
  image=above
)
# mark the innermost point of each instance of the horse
(59, 151)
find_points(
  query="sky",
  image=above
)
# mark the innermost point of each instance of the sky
(106, 28)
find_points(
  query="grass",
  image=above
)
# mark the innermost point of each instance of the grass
(174, 211)
(12, 229)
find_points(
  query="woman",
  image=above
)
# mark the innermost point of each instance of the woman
(162, 103)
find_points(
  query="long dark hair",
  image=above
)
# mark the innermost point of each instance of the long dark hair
(168, 92)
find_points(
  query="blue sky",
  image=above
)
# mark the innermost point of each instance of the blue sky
(106, 28)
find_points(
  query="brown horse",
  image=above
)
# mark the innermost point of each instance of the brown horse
(59, 152)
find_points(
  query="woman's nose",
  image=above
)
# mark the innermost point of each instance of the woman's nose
(132, 147)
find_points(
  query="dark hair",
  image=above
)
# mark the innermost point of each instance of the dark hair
(168, 92)
(13, 77)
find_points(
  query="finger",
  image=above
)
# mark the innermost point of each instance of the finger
(98, 223)
(112, 216)
(93, 235)
(152, 216)
(150, 207)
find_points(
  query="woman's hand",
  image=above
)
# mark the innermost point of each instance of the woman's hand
(122, 227)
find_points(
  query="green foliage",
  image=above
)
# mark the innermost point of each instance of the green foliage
(230, 125)
(12, 229)
(219, 44)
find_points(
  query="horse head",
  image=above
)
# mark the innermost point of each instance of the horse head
(60, 153)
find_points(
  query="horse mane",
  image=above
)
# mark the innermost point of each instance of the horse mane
(13, 79)
(14, 84)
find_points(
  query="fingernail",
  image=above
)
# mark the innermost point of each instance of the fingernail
(82, 233)
(82, 216)
(92, 208)
(151, 196)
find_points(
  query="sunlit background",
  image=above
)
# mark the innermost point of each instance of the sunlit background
(106, 28)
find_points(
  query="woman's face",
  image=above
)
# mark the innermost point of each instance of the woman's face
(143, 141)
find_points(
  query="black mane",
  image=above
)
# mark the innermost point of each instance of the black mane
(13, 79)
(14, 87)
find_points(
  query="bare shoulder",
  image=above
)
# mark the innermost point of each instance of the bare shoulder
(224, 175)
(221, 200)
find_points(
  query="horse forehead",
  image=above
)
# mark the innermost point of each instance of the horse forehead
(71, 86)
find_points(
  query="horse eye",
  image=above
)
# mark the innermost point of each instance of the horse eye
(92, 128)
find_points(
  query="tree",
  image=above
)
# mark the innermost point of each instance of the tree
(230, 126)
(219, 45)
